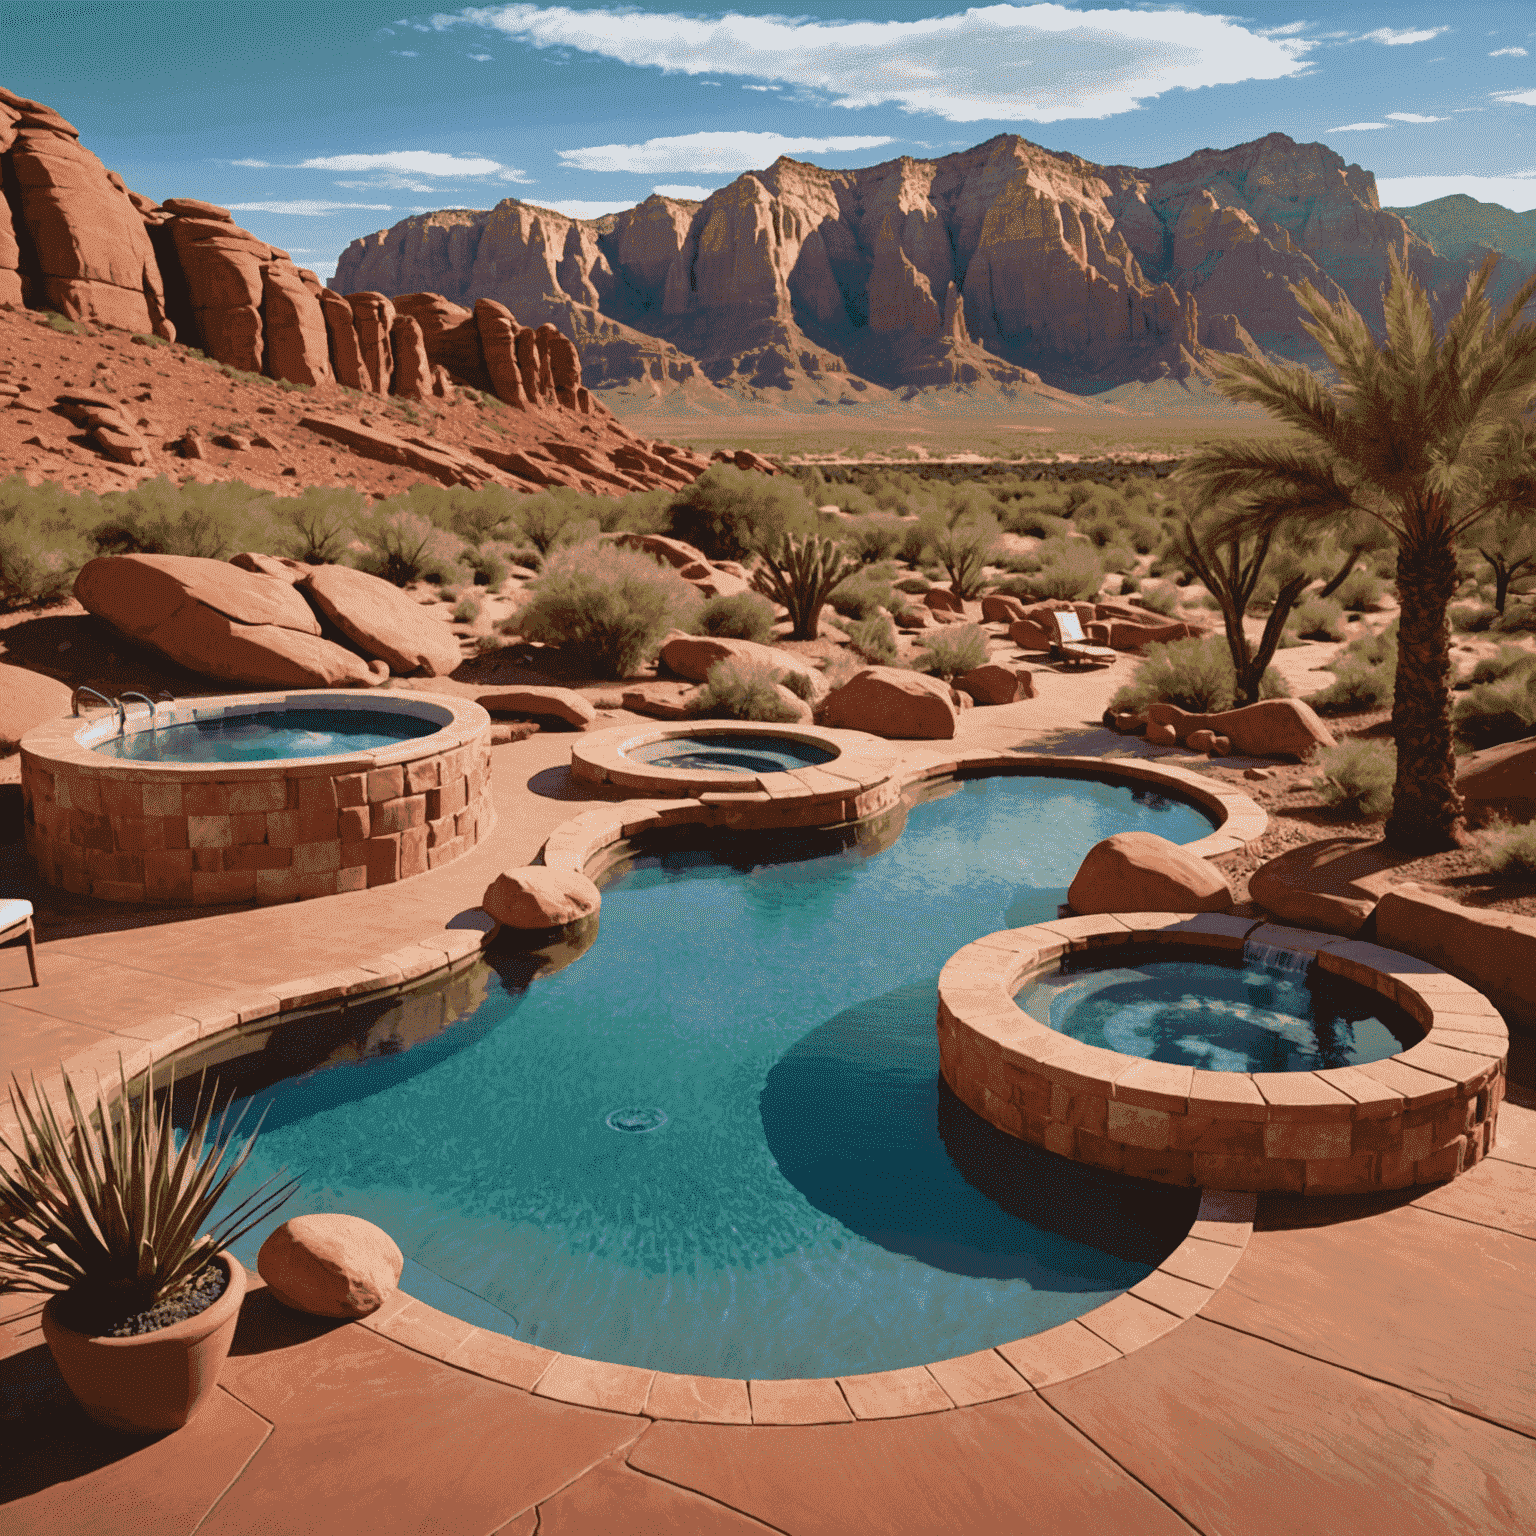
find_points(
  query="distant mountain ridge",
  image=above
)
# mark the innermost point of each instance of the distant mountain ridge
(1006, 269)
(1462, 229)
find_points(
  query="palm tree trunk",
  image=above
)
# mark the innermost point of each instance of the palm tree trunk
(1426, 809)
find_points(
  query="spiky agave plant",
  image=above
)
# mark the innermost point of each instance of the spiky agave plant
(801, 574)
(113, 1212)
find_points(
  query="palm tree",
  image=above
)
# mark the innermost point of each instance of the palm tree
(1415, 435)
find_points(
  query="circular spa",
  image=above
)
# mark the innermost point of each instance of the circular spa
(718, 1142)
(1219, 1051)
(256, 797)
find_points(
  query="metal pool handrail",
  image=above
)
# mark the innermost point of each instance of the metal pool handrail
(115, 705)
(153, 708)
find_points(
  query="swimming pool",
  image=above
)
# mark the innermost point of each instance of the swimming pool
(738, 752)
(275, 734)
(718, 1142)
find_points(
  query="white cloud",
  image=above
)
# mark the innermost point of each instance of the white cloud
(577, 209)
(1356, 127)
(1395, 39)
(1507, 53)
(414, 162)
(259, 165)
(686, 194)
(1516, 98)
(1517, 192)
(1412, 117)
(1036, 63)
(305, 207)
(405, 53)
(708, 151)
(479, 58)
(387, 183)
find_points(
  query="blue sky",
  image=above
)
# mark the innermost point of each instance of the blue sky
(318, 123)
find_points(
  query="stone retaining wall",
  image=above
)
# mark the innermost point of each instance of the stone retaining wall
(212, 833)
(1420, 1117)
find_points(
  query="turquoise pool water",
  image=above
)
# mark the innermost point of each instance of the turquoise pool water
(718, 1142)
(1224, 1018)
(731, 752)
(274, 734)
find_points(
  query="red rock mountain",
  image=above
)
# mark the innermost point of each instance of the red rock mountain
(992, 268)
(75, 240)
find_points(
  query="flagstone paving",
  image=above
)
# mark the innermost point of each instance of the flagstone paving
(1367, 1365)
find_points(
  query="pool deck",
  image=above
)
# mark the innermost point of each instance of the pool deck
(1368, 1364)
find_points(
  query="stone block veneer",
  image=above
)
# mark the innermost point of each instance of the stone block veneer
(210, 833)
(1420, 1117)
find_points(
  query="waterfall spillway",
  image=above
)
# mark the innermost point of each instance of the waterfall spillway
(1273, 958)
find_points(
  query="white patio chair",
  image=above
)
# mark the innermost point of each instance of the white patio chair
(1071, 644)
(16, 923)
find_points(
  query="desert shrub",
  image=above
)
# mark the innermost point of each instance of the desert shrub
(743, 690)
(403, 547)
(1356, 777)
(1160, 599)
(863, 594)
(964, 550)
(1361, 591)
(1516, 618)
(952, 651)
(874, 540)
(874, 639)
(466, 611)
(1491, 713)
(728, 512)
(1472, 618)
(799, 683)
(913, 584)
(64, 327)
(914, 543)
(802, 574)
(609, 606)
(1069, 568)
(1510, 850)
(42, 541)
(1318, 618)
(210, 522)
(1119, 558)
(318, 522)
(485, 565)
(742, 616)
(1364, 676)
(1194, 674)
(1506, 660)
(1129, 583)
(1033, 520)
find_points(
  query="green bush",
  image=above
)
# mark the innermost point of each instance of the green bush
(743, 690)
(913, 548)
(209, 522)
(64, 327)
(728, 513)
(1194, 674)
(1364, 676)
(1318, 618)
(1033, 520)
(874, 639)
(964, 551)
(742, 616)
(1361, 592)
(403, 547)
(1491, 713)
(1517, 617)
(799, 683)
(1161, 599)
(466, 611)
(1507, 660)
(487, 567)
(319, 522)
(1472, 618)
(874, 540)
(1510, 850)
(1069, 569)
(42, 541)
(610, 607)
(1130, 583)
(863, 594)
(952, 651)
(802, 574)
(1357, 776)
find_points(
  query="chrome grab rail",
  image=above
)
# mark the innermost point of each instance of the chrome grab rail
(115, 705)
(149, 702)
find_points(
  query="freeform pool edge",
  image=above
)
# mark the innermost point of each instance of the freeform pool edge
(1422, 1116)
(1175, 1291)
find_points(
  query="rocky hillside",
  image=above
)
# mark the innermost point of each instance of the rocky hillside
(76, 242)
(1464, 230)
(1006, 268)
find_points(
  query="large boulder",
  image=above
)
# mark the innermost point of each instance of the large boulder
(1142, 872)
(1029, 635)
(999, 608)
(28, 699)
(298, 344)
(1270, 728)
(995, 684)
(542, 703)
(692, 656)
(331, 1265)
(890, 702)
(382, 621)
(536, 898)
(373, 315)
(220, 621)
(341, 332)
(1500, 781)
(1332, 885)
(223, 267)
(413, 369)
(942, 600)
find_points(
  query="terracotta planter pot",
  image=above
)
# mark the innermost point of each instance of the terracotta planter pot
(151, 1382)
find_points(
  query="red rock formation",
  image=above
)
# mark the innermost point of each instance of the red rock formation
(222, 265)
(412, 371)
(346, 354)
(497, 330)
(296, 334)
(374, 315)
(381, 621)
(81, 248)
(452, 337)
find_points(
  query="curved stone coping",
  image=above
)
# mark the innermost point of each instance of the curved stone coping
(576, 843)
(1178, 1289)
(858, 759)
(69, 742)
(1420, 1117)
(283, 829)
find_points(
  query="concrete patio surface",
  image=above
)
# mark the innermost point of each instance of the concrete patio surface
(1368, 1364)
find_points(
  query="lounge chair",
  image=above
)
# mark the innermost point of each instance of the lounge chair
(16, 923)
(1070, 643)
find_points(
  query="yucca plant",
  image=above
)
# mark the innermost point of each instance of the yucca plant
(801, 574)
(110, 1210)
